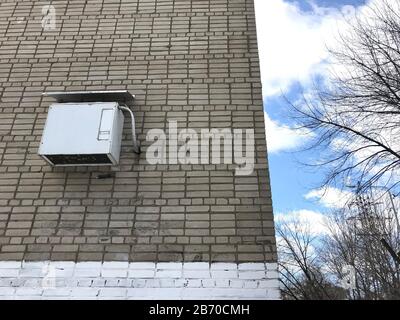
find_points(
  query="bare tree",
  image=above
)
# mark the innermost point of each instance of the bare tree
(355, 114)
(301, 269)
(363, 236)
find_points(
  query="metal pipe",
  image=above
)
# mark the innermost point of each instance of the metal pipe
(136, 146)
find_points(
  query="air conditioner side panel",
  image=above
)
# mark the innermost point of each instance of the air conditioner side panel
(116, 136)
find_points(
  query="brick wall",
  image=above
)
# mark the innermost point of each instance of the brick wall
(187, 60)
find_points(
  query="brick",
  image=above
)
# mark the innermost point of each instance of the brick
(28, 292)
(112, 292)
(168, 274)
(115, 265)
(274, 294)
(208, 283)
(7, 292)
(205, 266)
(224, 274)
(251, 266)
(252, 275)
(9, 273)
(142, 265)
(271, 266)
(119, 273)
(169, 266)
(272, 274)
(87, 272)
(224, 266)
(137, 273)
(10, 264)
(59, 292)
(31, 272)
(84, 292)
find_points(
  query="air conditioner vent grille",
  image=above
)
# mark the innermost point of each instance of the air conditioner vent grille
(79, 159)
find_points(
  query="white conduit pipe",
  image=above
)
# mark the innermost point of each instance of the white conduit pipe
(136, 147)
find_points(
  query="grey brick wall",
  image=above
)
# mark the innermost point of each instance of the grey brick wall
(194, 61)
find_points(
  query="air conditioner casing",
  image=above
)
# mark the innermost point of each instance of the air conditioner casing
(82, 134)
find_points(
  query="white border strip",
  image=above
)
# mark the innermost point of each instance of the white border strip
(138, 280)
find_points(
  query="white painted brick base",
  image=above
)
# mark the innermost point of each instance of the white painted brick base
(138, 280)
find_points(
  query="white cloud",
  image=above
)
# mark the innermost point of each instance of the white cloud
(281, 137)
(330, 197)
(292, 43)
(311, 221)
(292, 46)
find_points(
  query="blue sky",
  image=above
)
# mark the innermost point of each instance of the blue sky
(305, 5)
(292, 38)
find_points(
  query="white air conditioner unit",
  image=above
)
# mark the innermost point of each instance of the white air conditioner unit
(83, 133)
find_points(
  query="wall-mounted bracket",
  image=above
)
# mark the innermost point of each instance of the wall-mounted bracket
(123, 97)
